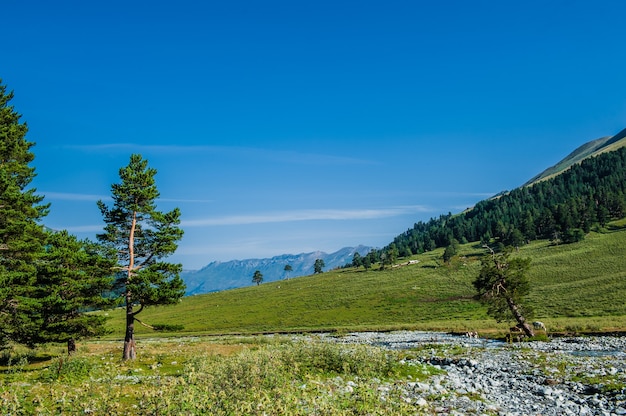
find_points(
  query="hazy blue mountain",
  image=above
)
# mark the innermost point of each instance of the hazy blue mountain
(238, 273)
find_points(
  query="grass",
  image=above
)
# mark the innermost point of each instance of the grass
(576, 287)
(202, 376)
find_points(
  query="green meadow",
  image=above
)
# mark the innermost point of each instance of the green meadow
(576, 287)
(215, 363)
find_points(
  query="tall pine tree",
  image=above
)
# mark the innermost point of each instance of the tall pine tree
(21, 234)
(141, 236)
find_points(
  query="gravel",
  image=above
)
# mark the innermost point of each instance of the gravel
(566, 376)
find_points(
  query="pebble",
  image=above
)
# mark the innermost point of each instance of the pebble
(490, 377)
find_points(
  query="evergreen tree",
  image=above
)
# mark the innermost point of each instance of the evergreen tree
(367, 262)
(73, 277)
(21, 234)
(257, 277)
(502, 285)
(451, 250)
(389, 256)
(141, 237)
(288, 269)
(318, 266)
(589, 193)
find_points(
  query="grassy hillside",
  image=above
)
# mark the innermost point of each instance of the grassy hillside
(590, 149)
(579, 285)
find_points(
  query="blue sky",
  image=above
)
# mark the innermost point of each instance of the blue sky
(281, 127)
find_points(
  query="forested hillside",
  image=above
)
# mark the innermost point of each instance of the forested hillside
(563, 209)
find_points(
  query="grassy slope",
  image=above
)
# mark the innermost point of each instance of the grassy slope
(570, 282)
(590, 149)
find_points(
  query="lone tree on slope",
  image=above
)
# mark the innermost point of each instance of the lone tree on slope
(287, 270)
(257, 277)
(318, 266)
(502, 285)
(141, 236)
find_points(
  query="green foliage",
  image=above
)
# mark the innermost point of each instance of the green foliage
(580, 284)
(134, 221)
(451, 250)
(590, 193)
(318, 266)
(503, 285)
(388, 256)
(21, 235)
(68, 369)
(168, 327)
(257, 277)
(287, 270)
(141, 236)
(73, 277)
(573, 235)
(283, 377)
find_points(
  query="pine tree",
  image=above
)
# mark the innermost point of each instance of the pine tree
(73, 277)
(21, 234)
(502, 285)
(141, 237)
(257, 277)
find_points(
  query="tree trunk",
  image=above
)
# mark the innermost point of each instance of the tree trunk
(71, 346)
(129, 339)
(521, 321)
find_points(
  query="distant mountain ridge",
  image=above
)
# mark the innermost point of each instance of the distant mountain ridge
(422, 237)
(238, 273)
(589, 149)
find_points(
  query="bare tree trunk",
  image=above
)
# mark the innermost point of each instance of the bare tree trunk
(521, 321)
(129, 339)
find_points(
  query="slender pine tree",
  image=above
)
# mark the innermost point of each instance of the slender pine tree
(141, 237)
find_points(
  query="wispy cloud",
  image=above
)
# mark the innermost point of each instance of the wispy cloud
(284, 156)
(305, 215)
(79, 229)
(64, 196)
(186, 201)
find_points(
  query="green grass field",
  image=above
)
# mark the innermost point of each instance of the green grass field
(575, 287)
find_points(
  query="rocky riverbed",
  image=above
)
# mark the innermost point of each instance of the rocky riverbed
(566, 376)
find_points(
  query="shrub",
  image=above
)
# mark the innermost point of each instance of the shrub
(68, 369)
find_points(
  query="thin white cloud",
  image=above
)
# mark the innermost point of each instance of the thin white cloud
(64, 196)
(190, 201)
(285, 156)
(79, 229)
(305, 215)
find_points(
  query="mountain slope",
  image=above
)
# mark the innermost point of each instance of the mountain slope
(589, 149)
(238, 273)
(573, 287)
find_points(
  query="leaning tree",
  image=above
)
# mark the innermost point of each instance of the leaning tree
(142, 237)
(502, 285)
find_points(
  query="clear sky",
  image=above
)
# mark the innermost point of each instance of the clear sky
(282, 127)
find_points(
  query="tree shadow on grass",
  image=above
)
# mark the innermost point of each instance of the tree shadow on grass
(616, 227)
